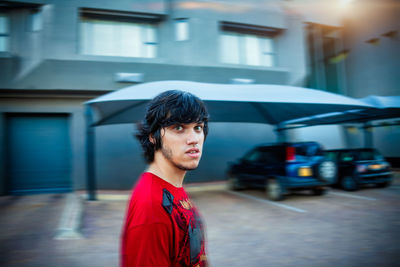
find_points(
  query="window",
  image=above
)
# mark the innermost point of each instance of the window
(247, 45)
(246, 49)
(181, 29)
(109, 37)
(326, 58)
(4, 33)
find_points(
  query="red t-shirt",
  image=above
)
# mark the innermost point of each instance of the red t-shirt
(162, 227)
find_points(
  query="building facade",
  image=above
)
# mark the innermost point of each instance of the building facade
(55, 55)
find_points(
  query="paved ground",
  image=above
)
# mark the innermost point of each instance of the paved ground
(243, 229)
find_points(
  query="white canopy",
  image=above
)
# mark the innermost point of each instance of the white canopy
(259, 103)
(386, 107)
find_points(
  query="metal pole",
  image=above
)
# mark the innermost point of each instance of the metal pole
(368, 136)
(281, 133)
(90, 155)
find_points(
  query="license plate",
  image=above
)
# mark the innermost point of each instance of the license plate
(375, 167)
(305, 172)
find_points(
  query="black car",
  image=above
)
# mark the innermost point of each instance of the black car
(281, 167)
(361, 166)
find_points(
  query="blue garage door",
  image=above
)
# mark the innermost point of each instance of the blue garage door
(38, 154)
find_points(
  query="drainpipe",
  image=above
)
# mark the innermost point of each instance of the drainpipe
(90, 155)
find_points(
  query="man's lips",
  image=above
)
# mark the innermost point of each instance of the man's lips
(193, 152)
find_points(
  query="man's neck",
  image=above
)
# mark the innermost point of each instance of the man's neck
(167, 171)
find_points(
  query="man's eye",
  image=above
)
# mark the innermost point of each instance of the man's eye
(178, 127)
(198, 128)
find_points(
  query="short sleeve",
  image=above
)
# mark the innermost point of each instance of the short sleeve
(147, 245)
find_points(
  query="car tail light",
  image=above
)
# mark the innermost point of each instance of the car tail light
(361, 168)
(290, 153)
(304, 171)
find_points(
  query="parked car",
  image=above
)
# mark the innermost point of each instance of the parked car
(361, 166)
(280, 168)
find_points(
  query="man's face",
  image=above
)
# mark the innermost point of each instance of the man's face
(182, 145)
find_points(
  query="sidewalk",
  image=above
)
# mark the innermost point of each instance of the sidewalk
(53, 230)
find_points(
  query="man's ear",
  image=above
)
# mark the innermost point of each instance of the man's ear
(152, 140)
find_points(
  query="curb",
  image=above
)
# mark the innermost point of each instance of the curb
(103, 195)
(213, 186)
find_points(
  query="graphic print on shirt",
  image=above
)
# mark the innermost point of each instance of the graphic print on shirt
(192, 242)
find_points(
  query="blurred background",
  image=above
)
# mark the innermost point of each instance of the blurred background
(55, 55)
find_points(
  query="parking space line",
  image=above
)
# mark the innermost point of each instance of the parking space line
(267, 201)
(352, 196)
(71, 219)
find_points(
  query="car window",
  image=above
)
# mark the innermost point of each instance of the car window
(346, 156)
(269, 157)
(309, 150)
(331, 155)
(369, 155)
(253, 156)
(378, 156)
(305, 151)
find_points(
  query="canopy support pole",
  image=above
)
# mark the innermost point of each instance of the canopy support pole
(368, 135)
(90, 155)
(281, 133)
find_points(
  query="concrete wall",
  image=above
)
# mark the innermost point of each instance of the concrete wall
(373, 68)
(330, 136)
(95, 75)
(119, 159)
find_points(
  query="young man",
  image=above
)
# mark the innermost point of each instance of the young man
(162, 227)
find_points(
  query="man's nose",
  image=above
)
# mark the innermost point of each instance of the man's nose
(193, 138)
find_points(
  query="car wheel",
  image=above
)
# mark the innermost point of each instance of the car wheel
(327, 171)
(274, 190)
(319, 191)
(349, 184)
(235, 184)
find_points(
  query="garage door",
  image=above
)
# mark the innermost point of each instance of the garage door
(38, 154)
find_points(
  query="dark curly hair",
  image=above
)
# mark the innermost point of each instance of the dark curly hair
(166, 109)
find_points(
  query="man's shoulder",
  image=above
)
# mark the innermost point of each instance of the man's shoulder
(146, 204)
(146, 190)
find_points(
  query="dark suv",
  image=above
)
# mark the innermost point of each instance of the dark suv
(360, 166)
(279, 168)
